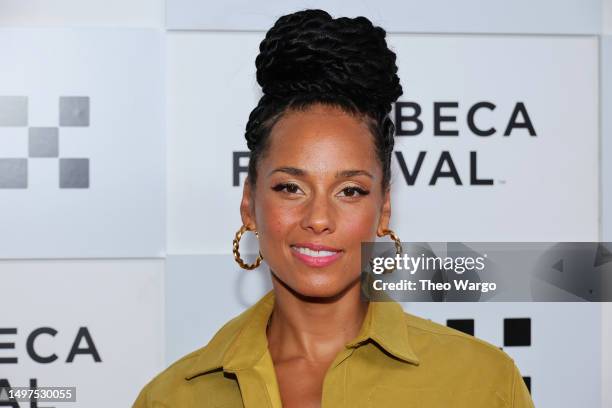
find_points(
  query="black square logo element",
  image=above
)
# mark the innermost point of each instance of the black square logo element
(463, 325)
(517, 332)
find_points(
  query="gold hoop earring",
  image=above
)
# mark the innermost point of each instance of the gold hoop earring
(236, 251)
(397, 242)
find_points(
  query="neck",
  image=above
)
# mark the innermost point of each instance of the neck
(315, 329)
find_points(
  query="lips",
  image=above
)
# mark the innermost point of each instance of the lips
(315, 255)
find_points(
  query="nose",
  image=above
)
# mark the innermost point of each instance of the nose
(319, 215)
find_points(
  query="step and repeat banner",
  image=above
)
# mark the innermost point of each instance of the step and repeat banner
(533, 176)
(82, 172)
(122, 162)
(81, 143)
(497, 141)
(94, 325)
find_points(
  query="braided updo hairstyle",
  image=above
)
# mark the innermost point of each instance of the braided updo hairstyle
(309, 57)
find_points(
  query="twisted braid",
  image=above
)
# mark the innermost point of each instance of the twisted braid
(308, 57)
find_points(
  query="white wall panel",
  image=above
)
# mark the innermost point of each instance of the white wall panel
(115, 206)
(607, 17)
(77, 13)
(545, 186)
(445, 16)
(211, 91)
(118, 302)
(606, 137)
(202, 293)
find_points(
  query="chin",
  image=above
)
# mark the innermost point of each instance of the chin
(322, 292)
(318, 286)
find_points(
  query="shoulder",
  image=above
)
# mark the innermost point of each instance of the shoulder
(166, 385)
(170, 387)
(456, 350)
(473, 364)
(426, 331)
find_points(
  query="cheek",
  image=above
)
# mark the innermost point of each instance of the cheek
(360, 224)
(274, 219)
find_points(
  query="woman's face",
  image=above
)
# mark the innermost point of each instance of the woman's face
(318, 195)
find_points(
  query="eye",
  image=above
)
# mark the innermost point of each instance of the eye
(290, 188)
(353, 191)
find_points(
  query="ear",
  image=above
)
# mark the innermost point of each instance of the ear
(385, 213)
(247, 212)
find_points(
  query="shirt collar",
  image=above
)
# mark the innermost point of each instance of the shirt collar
(242, 341)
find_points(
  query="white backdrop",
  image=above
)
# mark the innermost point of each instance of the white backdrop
(120, 213)
(209, 78)
(556, 79)
(119, 302)
(442, 16)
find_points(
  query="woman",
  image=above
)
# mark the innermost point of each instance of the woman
(317, 187)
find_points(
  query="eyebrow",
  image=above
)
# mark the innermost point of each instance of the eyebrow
(294, 171)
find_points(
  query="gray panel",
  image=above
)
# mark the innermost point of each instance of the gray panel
(13, 173)
(121, 71)
(409, 16)
(606, 138)
(13, 110)
(74, 173)
(74, 111)
(202, 292)
(92, 13)
(43, 142)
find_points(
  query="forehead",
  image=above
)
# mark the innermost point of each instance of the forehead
(321, 139)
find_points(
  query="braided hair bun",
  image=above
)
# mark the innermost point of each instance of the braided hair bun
(309, 57)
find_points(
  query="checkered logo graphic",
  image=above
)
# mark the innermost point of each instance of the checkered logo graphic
(517, 333)
(43, 142)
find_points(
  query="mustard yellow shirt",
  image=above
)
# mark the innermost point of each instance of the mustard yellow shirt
(397, 360)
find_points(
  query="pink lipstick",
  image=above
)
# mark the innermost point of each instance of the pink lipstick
(315, 255)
